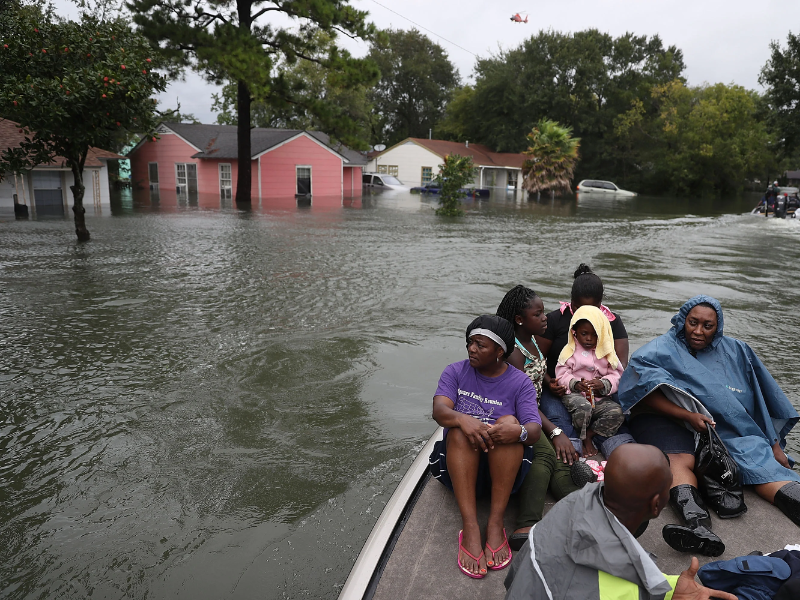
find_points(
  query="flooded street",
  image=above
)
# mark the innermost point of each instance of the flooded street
(210, 403)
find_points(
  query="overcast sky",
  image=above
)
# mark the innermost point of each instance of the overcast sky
(722, 40)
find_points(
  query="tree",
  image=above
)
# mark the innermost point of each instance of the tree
(354, 114)
(552, 157)
(456, 172)
(71, 86)
(229, 42)
(417, 81)
(458, 117)
(781, 77)
(583, 80)
(705, 140)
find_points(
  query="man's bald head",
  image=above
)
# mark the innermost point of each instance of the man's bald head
(637, 482)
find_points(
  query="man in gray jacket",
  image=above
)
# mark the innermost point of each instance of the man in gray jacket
(584, 548)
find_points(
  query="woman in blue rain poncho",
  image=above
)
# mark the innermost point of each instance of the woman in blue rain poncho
(694, 375)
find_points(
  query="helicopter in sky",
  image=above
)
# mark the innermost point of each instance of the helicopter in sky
(517, 18)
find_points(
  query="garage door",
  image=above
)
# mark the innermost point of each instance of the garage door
(47, 193)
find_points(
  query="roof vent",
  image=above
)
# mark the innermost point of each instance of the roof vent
(467, 143)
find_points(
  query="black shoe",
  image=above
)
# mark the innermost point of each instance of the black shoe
(686, 500)
(517, 540)
(693, 539)
(582, 474)
(788, 500)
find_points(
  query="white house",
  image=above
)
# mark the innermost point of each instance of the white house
(45, 188)
(415, 161)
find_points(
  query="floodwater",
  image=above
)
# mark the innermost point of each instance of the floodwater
(210, 403)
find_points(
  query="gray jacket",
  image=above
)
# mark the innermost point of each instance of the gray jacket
(581, 551)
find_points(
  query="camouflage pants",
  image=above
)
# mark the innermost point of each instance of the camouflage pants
(604, 419)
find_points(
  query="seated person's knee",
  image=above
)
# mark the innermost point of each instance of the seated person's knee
(507, 419)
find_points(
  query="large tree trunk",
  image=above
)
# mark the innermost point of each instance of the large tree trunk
(77, 204)
(244, 178)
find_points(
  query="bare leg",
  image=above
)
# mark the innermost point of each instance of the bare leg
(504, 463)
(682, 467)
(768, 490)
(462, 465)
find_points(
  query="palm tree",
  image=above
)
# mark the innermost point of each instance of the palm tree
(552, 156)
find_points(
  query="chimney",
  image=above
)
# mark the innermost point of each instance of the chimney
(467, 143)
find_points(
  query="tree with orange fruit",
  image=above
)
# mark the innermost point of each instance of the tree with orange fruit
(71, 86)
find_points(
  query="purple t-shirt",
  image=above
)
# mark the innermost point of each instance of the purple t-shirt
(489, 398)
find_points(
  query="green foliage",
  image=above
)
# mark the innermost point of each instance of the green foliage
(584, 80)
(72, 85)
(458, 118)
(229, 42)
(417, 80)
(456, 172)
(696, 141)
(781, 77)
(552, 156)
(312, 83)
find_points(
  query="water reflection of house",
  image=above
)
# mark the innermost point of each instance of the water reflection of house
(415, 161)
(45, 188)
(194, 159)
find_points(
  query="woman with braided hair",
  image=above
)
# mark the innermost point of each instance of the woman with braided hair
(553, 453)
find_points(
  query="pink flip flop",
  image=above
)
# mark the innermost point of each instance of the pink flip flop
(477, 559)
(507, 561)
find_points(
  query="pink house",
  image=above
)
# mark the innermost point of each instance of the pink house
(193, 159)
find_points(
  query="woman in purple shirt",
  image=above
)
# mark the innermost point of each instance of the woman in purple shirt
(489, 412)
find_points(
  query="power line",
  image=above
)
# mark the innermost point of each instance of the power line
(425, 28)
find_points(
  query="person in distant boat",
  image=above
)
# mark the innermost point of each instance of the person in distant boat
(553, 453)
(590, 369)
(585, 547)
(587, 289)
(771, 196)
(694, 376)
(793, 203)
(488, 410)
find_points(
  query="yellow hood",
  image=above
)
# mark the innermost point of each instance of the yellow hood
(605, 339)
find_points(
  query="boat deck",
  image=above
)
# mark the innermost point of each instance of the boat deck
(423, 562)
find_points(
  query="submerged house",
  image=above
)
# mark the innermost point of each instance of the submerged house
(415, 161)
(45, 188)
(190, 159)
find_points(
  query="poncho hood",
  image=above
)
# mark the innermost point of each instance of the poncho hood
(679, 320)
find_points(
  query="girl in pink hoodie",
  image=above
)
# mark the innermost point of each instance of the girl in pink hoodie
(590, 369)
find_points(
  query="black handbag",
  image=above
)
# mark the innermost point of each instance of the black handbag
(718, 477)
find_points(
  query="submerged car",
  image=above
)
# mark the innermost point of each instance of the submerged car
(434, 188)
(381, 181)
(595, 186)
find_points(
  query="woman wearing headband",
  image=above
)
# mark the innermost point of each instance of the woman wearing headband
(488, 409)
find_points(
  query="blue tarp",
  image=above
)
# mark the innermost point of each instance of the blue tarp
(729, 380)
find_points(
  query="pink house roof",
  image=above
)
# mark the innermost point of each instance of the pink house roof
(12, 136)
(220, 141)
(481, 155)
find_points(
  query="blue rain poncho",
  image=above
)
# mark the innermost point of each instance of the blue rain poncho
(727, 381)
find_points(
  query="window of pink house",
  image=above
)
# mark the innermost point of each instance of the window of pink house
(186, 178)
(225, 181)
